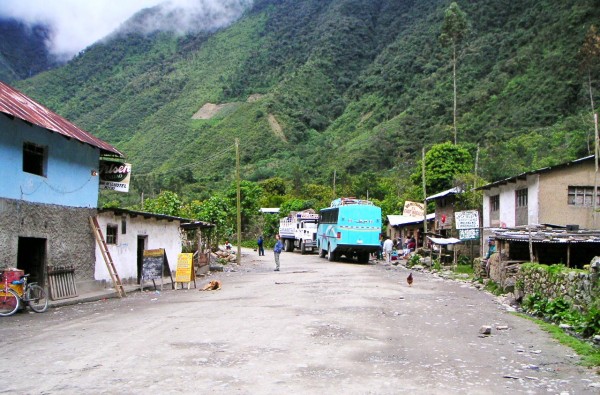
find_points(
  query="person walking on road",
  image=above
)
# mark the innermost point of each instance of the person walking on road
(388, 246)
(261, 249)
(277, 251)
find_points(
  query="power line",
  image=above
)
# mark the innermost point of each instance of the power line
(204, 161)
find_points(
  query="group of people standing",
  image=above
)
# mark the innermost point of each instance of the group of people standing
(276, 249)
(389, 246)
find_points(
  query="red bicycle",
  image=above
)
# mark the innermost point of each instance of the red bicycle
(33, 295)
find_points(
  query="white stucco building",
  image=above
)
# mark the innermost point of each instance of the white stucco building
(557, 195)
(128, 233)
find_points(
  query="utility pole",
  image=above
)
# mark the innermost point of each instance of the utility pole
(424, 201)
(334, 175)
(596, 151)
(239, 203)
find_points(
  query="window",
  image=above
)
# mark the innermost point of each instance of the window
(521, 209)
(34, 159)
(123, 224)
(329, 216)
(582, 196)
(495, 203)
(111, 234)
(521, 196)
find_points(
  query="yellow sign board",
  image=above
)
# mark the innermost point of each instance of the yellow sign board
(185, 268)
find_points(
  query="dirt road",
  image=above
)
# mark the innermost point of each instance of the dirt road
(314, 327)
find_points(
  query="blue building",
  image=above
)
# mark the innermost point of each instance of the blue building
(48, 188)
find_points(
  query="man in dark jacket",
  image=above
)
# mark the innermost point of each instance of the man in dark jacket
(261, 250)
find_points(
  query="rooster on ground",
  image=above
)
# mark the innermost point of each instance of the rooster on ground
(409, 279)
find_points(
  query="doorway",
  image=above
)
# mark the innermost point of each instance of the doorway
(31, 258)
(141, 246)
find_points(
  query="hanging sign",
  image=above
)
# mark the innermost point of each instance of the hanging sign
(115, 176)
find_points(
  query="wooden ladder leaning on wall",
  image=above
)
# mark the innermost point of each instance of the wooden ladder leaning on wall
(107, 258)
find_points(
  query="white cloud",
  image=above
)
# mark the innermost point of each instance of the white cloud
(77, 24)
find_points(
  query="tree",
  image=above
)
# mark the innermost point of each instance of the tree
(213, 210)
(590, 60)
(167, 203)
(454, 30)
(443, 162)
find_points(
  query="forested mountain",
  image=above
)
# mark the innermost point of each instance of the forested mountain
(23, 51)
(316, 86)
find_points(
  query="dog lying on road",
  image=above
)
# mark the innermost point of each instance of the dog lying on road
(213, 285)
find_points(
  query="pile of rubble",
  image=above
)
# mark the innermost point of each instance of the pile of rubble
(227, 255)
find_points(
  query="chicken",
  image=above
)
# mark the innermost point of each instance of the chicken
(409, 279)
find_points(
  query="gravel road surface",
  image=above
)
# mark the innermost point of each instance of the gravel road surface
(314, 327)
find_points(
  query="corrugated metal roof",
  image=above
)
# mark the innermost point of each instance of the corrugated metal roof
(452, 191)
(133, 213)
(538, 171)
(16, 104)
(545, 235)
(396, 220)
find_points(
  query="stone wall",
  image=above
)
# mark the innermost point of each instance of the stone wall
(69, 237)
(581, 288)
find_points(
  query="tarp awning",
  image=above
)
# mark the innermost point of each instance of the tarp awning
(442, 241)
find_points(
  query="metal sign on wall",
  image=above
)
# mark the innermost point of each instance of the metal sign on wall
(467, 224)
(468, 234)
(467, 219)
(115, 176)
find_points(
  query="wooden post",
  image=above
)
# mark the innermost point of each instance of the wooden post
(530, 245)
(239, 205)
(424, 202)
(596, 152)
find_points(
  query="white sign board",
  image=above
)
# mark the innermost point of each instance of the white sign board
(115, 176)
(467, 219)
(413, 209)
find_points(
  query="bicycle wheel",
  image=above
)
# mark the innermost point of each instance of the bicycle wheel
(9, 302)
(37, 299)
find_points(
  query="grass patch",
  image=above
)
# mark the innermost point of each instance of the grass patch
(590, 354)
(464, 269)
(493, 288)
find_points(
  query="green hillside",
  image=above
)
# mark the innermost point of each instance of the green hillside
(347, 85)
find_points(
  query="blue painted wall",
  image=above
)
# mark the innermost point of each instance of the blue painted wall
(68, 180)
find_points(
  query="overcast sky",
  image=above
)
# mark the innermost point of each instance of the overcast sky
(80, 23)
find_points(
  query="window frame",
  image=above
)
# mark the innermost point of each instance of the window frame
(112, 234)
(521, 198)
(35, 159)
(494, 203)
(584, 193)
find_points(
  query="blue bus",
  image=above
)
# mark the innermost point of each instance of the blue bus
(349, 227)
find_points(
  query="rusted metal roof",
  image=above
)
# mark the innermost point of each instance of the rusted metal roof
(185, 223)
(538, 171)
(16, 104)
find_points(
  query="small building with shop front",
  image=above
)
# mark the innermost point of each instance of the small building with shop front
(128, 233)
(547, 215)
(404, 226)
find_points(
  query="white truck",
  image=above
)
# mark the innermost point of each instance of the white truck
(299, 230)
